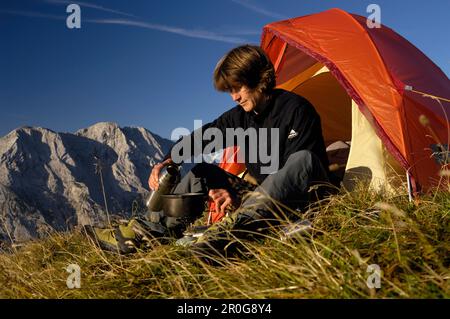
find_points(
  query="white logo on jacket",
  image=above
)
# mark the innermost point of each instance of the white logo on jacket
(292, 134)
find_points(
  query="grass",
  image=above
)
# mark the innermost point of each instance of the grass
(410, 242)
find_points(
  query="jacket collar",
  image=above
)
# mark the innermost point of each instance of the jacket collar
(263, 109)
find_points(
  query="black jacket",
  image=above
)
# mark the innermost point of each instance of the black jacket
(297, 120)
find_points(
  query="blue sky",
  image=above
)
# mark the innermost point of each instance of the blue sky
(149, 62)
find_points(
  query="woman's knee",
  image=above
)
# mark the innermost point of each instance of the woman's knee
(203, 169)
(306, 162)
(303, 156)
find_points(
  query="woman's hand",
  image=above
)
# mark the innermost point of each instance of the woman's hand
(153, 180)
(222, 198)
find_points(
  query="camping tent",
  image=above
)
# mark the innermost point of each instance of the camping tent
(364, 82)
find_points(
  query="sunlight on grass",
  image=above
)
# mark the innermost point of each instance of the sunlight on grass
(350, 231)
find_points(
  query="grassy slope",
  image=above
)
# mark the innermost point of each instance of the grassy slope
(410, 242)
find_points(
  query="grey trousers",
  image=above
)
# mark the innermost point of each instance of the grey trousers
(288, 187)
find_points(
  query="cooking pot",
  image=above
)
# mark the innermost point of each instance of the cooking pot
(184, 205)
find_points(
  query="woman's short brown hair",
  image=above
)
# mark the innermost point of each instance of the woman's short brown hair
(245, 65)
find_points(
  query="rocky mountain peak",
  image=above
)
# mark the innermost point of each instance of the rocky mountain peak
(51, 180)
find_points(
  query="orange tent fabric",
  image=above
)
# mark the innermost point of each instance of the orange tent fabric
(374, 66)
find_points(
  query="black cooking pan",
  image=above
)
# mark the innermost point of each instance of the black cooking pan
(184, 205)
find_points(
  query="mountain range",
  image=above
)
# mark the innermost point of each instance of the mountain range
(52, 181)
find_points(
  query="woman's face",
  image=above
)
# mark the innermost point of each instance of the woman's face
(246, 98)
